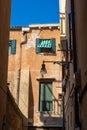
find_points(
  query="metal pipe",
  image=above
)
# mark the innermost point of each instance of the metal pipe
(19, 70)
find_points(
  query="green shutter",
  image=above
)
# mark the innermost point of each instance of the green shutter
(45, 101)
(9, 46)
(41, 96)
(13, 46)
(48, 96)
(53, 45)
(37, 45)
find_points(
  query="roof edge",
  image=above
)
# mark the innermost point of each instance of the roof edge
(55, 25)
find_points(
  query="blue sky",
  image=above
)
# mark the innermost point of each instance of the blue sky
(25, 12)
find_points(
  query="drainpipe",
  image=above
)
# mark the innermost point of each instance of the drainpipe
(24, 40)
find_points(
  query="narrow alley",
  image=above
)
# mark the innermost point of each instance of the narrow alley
(43, 71)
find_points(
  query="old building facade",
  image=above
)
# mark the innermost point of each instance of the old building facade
(4, 38)
(34, 78)
(74, 76)
(69, 86)
(80, 25)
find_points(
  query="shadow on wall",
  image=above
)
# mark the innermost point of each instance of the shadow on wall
(14, 117)
(30, 103)
(47, 118)
(51, 110)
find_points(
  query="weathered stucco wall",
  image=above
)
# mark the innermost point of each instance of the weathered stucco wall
(28, 63)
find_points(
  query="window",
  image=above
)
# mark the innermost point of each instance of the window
(45, 96)
(64, 46)
(12, 46)
(60, 96)
(45, 45)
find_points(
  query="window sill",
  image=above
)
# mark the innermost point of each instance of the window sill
(46, 79)
(47, 54)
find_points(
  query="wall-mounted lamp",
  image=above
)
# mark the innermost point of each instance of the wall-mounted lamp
(43, 69)
(62, 63)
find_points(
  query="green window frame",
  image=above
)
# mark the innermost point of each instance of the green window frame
(12, 47)
(45, 45)
(45, 96)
